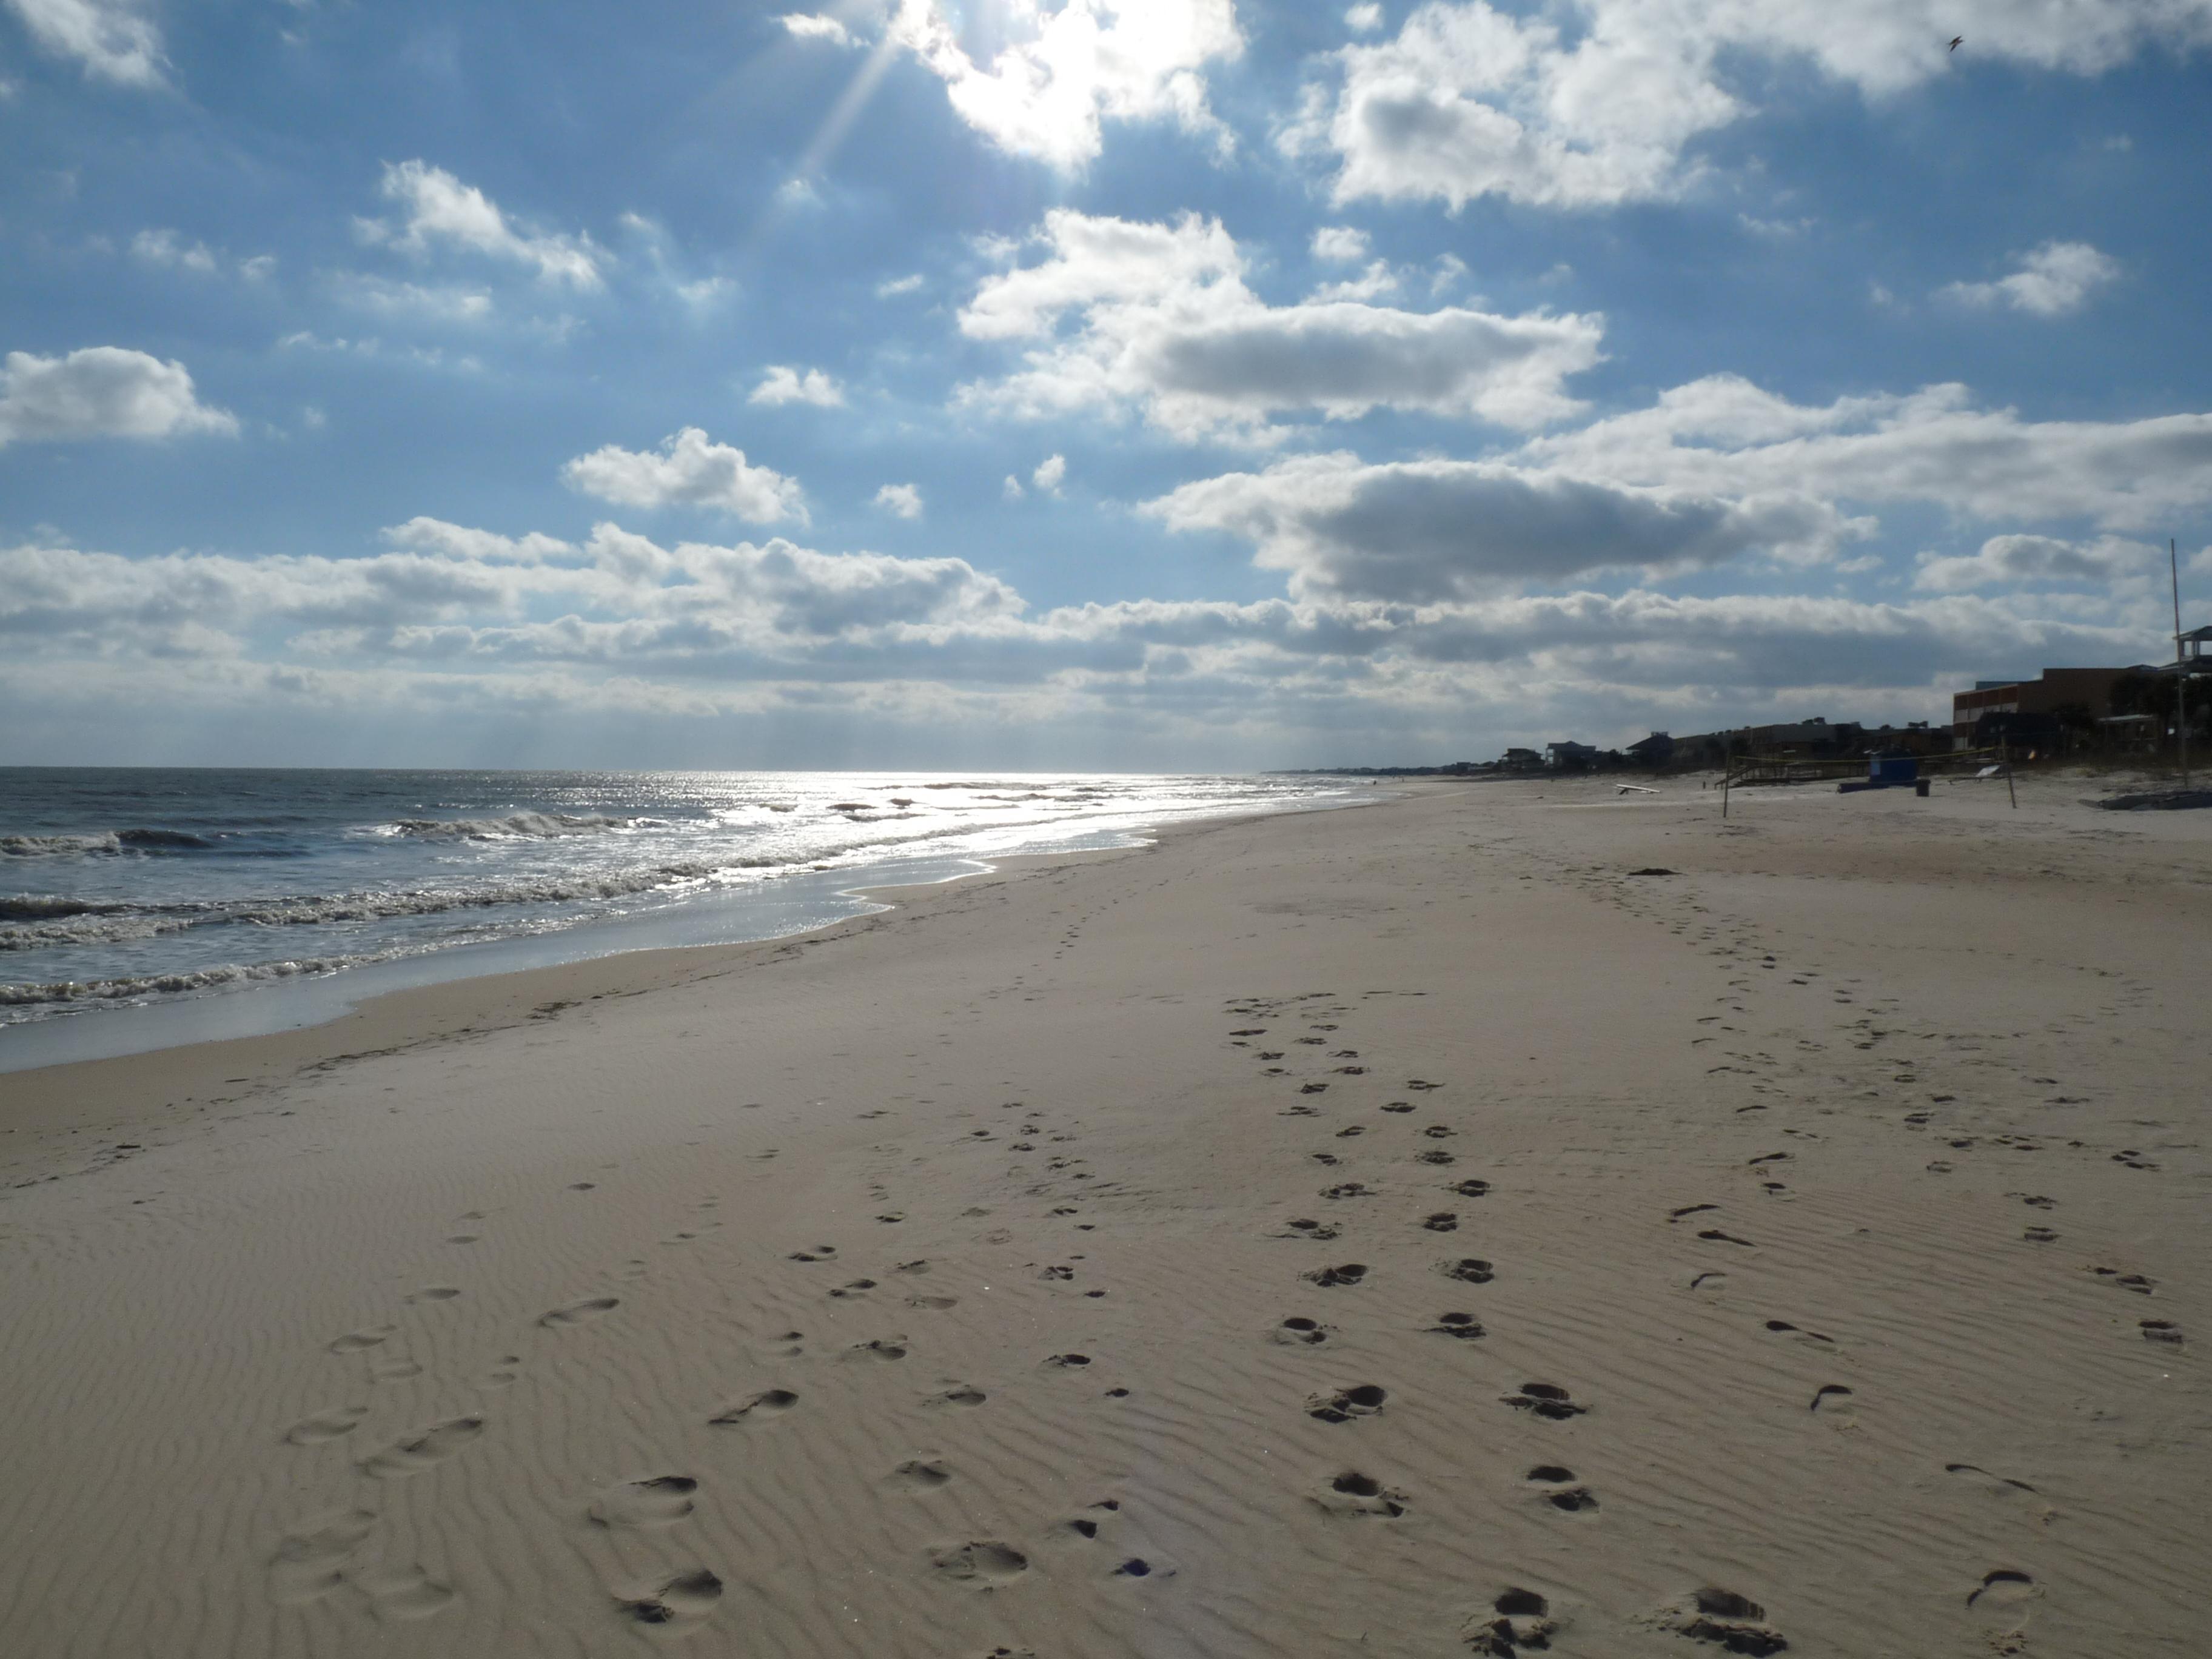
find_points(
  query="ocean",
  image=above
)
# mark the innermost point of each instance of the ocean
(136, 888)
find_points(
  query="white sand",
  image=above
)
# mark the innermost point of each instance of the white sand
(408, 1335)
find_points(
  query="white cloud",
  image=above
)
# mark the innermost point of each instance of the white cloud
(2055, 279)
(690, 469)
(1067, 69)
(1340, 244)
(100, 391)
(110, 40)
(904, 499)
(783, 385)
(2012, 561)
(1051, 472)
(1590, 102)
(1364, 18)
(898, 285)
(805, 25)
(168, 248)
(1011, 490)
(381, 294)
(1424, 532)
(438, 209)
(1723, 436)
(1165, 325)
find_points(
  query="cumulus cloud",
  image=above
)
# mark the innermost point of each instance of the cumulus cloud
(438, 210)
(2013, 560)
(893, 286)
(449, 619)
(1423, 532)
(1593, 102)
(1164, 324)
(1051, 472)
(111, 40)
(1724, 435)
(690, 470)
(783, 385)
(1067, 69)
(1364, 18)
(451, 592)
(904, 499)
(806, 25)
(1011, 490)
(2053, 280)
(102, 392)
(1339, 244)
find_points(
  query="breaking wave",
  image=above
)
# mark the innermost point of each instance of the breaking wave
(114, 842)
(63, 992)
(532, 826)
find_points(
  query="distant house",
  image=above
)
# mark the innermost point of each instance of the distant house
(1570, 757)
(1654, 750)
(2054, 690)
(1521, 760)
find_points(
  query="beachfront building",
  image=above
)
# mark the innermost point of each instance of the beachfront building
(1570, 757)
(2058, 695)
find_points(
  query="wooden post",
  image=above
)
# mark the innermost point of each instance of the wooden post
(2180, 673)
(2010, 790)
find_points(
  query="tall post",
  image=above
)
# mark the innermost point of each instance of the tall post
(2180, 670)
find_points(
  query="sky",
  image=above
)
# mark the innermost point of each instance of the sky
(1180, 384)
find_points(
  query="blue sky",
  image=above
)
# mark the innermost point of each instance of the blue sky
(1174, 384)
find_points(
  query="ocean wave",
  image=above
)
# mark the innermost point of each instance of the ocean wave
(58, 993)
(109, 843)
(530, 826)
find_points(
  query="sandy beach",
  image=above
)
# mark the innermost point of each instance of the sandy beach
(1509, 1217)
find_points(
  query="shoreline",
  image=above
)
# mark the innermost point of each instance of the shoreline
(1483, 1210)
(276, 1006)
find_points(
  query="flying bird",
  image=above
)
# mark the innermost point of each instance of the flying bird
(1957, 40)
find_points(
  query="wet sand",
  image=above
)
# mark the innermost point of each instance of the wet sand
(1404, 1230)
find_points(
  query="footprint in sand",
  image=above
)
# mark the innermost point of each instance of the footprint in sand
(934, 1302)
(855, 1287)
(659, 1500)
(885, 1348)
(983, 1564)
(1468, 1270)
(762, 1407)
(1302, 1331)
(921, 1475)
(819, 1252)
(1348, 1189)
(1464, 1326)
(960, 1394)
(1994, 1485)
(406, 1592)
(1829, 1396)
(432, 1293)
(1307, 1229)
(464, 1238)
(398, 1369)
(1783, 1327)
(426, 1448)
(577, 1313)
(1545, 1399)
(503, 1372)
(671, 1604)
(1438, 1157)
(2160, 1330)
(356, 1342)
(1518, 1619)
(325, 1426)
(1343, 1405)
(1714, 1235)
(1557, 1486)
(1734, 1623)
(1351, 1272)
(306, 1565)
(1469, 1188)
(2002, 1589)
(1353, 1493)
(1443, 1221)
